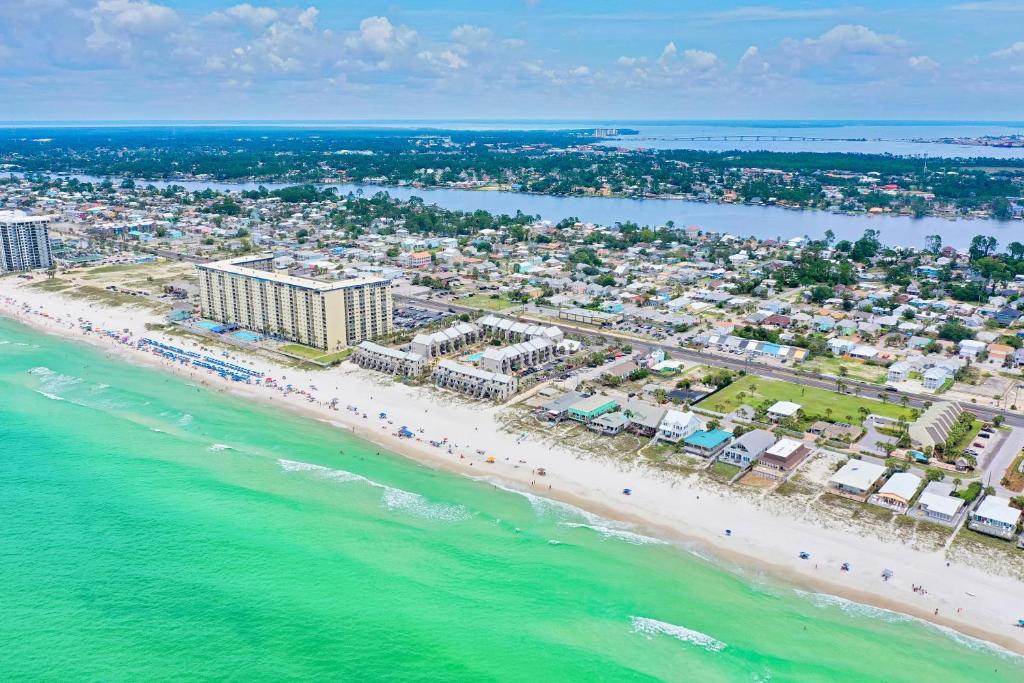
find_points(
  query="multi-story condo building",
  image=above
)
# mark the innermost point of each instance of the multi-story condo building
(24, 241)
(325, 315)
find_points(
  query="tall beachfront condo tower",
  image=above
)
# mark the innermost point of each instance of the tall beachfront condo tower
(325, 315)
(24, 241)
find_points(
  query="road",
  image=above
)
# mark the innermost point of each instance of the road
(783, 374)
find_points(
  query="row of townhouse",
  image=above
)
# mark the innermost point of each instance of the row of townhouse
(392, 361)
(433, 344)
(511, 330)
(519, 356)
(475, 382)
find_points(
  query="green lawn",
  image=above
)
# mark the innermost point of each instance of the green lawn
(487, 303)
(318, 355)
(724, 470)
(302, 351)
(756, 389)
(824, 365)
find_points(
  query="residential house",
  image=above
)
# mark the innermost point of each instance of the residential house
(677, 425)
(970, 348)
(644, 418)
(856, 479)
(782, 410)
(897, 493)
(898, 372)
(748, 447)
(996, 518)
(609, 424)
(780, 459)
(999, 354)
(937, 503)
(707, 444)
(587, 409)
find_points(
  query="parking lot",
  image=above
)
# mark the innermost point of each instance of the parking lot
(414, 317)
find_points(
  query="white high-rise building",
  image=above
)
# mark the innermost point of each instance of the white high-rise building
(326, 315)
(24, 241)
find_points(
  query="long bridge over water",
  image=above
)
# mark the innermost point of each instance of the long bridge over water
(753, 138)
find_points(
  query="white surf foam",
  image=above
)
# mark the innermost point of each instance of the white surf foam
(220, 447)
(824, 600)
(393, 498)
(653, 627)
(52, 397)
(616, 533)
(185, 420)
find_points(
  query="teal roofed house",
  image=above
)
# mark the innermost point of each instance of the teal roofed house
(591, 407)
(707, 444)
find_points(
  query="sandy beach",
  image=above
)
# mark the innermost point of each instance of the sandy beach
(763, 542)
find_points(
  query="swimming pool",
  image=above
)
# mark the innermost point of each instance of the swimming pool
(207, 324)
(246, 335)
(473, 357)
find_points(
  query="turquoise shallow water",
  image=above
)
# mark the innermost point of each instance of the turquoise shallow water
(154, 530)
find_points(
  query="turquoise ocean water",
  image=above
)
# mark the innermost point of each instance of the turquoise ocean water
(154, 530)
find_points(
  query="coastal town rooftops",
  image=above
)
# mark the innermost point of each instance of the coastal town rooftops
(237, 266)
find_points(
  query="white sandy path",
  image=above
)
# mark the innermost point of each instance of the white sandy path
(669, 508)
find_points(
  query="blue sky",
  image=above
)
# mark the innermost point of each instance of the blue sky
(186, 59)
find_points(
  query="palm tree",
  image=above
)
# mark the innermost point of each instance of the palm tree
(828, 413)
(956, 483)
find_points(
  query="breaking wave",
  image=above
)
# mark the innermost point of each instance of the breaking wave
(652, 627)
(220, 447)
(393, 498)
(825, 600)
(616, 533)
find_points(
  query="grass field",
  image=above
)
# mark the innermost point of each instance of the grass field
(317, 355)
(756, 390)
(485, 302)
(823, 365)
